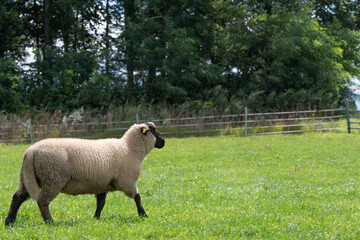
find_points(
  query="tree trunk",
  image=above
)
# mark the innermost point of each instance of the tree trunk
(268, 6)
(107, 39)
(47, 40)
(36, 14)
(129, 13)
(63, 33)
(75, 39)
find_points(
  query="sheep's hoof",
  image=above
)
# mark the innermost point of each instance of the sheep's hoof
(143, 215)
(9, 222)
(49, 221)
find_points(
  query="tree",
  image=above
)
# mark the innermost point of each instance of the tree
(12, 49)
(11, 28)
(60, 69)
(265, 54)
(282, 60)
(10, 97)
(165, 50)
(345, 11)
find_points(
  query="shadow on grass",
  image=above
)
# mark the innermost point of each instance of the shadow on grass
(71, 222)
(121, 219)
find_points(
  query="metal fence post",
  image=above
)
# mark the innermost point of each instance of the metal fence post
(246, 116)
(30, 130)
(348, 116)
(137, 118)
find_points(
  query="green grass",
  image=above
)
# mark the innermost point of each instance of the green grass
(263, 187)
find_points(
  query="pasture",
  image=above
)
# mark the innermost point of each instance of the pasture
(263, 187)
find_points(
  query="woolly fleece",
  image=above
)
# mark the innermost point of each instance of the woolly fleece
(78, 166)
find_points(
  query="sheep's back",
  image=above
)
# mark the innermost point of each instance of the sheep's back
(89, 165)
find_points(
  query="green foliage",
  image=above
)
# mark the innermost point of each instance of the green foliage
(296, 63)
(347, 12)
(10, 97)
(268, 55)
(96, 93)
(268, 187)
(12, 28)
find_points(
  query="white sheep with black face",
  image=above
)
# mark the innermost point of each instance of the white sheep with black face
(78, 166)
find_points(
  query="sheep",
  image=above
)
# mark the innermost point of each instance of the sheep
(79, 166)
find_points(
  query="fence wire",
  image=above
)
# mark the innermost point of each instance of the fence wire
(222, 125)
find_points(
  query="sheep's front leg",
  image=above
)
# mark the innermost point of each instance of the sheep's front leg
(100, 201)
(139, 206)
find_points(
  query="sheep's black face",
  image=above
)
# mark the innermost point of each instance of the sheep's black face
(160, 141)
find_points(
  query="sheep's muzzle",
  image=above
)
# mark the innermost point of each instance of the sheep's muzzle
(160, 142)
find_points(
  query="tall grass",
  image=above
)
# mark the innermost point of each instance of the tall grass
(179, 122)
(58, 123)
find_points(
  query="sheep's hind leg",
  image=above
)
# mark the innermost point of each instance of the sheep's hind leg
(20, 196)
(139, 206)
(100, 202)
(44, 201)
(45, 211)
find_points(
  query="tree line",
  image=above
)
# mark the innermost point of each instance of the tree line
(268, 55)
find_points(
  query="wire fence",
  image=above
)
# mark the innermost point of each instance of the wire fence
(247, 124)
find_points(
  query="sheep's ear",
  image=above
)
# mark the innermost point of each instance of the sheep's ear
(145, 130)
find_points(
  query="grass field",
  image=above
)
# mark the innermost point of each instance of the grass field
(264, 187)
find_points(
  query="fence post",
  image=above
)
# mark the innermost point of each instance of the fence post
(30, 130)
(246, 116)
(137, 118)
(348, 116)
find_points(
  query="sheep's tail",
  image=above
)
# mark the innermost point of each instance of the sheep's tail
(29, 176)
